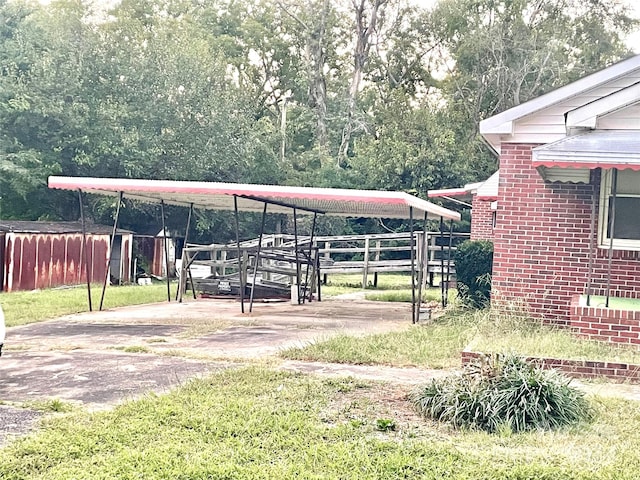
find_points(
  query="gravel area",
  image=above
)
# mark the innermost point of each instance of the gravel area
(15, 422)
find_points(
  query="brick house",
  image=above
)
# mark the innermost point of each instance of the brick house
(567, 218)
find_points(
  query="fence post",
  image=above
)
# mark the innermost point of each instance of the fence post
(223, 267)
(327, 257)
(375, 274)
(365, 269)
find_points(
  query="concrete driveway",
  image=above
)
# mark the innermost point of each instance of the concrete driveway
(100, 358)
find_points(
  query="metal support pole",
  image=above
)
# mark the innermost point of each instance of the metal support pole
(309, 262)
(257, 259)
(414, 318)
(422, 263)
(166, 250)
(612, 222)
(319, 274)
(446, 289)
(184, 270)
(592, 229)
(84, 254)
(295, 237)
(442, 261)
(235, 210)
(113, 238)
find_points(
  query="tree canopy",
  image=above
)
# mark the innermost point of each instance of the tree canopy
(381, 94)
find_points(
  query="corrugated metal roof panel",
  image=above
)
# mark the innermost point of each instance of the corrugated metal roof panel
(250, 197)
(595, 149)
(38, 226)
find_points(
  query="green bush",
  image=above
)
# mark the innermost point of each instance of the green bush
(474, 261)
(503, 392)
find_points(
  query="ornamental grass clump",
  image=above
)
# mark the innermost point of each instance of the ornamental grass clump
(503, 392)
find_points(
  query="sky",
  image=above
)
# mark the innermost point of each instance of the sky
(633, 40)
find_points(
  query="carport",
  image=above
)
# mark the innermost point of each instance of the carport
(262, 198)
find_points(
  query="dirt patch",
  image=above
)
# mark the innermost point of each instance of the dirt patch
(380, 409)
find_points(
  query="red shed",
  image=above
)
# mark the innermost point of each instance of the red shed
(49, 254)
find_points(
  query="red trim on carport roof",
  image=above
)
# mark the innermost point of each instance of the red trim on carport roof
(589, 165)
(448, 192)
(202, 188)
(487, 198)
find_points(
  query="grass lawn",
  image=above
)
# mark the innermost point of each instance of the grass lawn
(392, 287)
(435, 345)
(21, 308)
(614, 302)
(255, 423)
(438, 344)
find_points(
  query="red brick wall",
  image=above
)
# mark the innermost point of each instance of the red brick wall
(481, 219)
(605, 324)
(618, 371)
(541, 241)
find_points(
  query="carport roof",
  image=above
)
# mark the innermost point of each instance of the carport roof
(251, 197)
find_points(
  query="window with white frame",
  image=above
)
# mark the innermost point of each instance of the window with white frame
(626, 219)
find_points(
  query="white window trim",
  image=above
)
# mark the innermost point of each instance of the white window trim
(603, 240)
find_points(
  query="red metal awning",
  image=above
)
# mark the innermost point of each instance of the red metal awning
(251, 197)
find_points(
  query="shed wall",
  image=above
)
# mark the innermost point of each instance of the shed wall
(541, 241)
(34, 261)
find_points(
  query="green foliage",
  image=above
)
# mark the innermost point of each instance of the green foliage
(503, 392)
(474, 262)
(263, 92)
(53, 405)
(386, 424)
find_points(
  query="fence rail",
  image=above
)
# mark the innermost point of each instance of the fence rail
(280, 260)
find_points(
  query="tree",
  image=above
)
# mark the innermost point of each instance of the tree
(506, 52)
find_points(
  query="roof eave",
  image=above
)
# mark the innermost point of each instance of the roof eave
(495, 125)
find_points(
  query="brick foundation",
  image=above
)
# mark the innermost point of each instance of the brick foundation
(622, 372)
(541, 241)
(605, 324)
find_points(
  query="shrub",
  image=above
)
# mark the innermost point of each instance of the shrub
(503, 392)
(474, 261)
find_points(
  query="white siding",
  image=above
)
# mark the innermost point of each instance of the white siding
(548, 125)
(624, 119)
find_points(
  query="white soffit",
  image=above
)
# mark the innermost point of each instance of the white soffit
(565, 175)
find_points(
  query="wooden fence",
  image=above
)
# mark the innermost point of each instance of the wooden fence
(275, 266)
